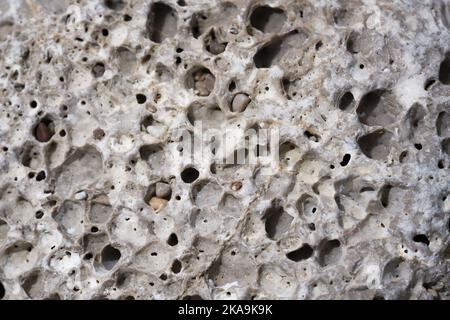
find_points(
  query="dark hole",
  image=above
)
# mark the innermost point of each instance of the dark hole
(181, 3)
(105, 32)
(444, 71)
(345, 160)
(114, 4)
(403, 156)
(385, 195)
(232, 86)
(361, 66)
(319, 45)
(110, 256)
(193, 297)
(39, 214)
(327, 249)
(213, 45)
(140, 98)
(94, 229)
(440, 164)
(265, 56)
(429, 83)
(40, 176)
(189, 175)
(163, 277)
(302, 253)
(98, 70)
(88, 256)
(195, 28)
(33, 104)
(418, 146)
(62, 133)
(351, 44)
(312, 226)
(421, 238)
(176, 266)
(44, 130)
(127, 17)
(267, 19)
(173, 240)
(311, 136)
(273, 216)
(346, 101)
(161, 22)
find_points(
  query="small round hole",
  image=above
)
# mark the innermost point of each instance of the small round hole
(141, 98)
(189, 175)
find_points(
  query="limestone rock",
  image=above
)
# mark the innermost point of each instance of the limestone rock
(103, 193)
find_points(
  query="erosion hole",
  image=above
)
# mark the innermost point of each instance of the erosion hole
(141, 98)
(444, 71)
(147, 151)
(376, 145)
(421, 238)
(277, 222)
(266, 55)
(44, 130)
(110, 256)
(176, 266)
(443, 124)
(346, 101)
(385, 195)
(201, 80)
(189, 175)
(345, 160)
(115, 4)
(161, 22)
(377, 108)
(173, 240)
(330, 252)
(303, 253)
(98, 70)
(445, 145)
(213, 44)
(267, 19)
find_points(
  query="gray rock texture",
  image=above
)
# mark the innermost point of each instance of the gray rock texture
(100, 198)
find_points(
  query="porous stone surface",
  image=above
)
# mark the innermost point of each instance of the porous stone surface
(98, 201)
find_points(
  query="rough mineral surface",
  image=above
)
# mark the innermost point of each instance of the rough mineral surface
(98, 199)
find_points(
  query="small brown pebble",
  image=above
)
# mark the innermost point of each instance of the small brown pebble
(237, 185)
(240, 102)
(99, 134)
(42, 132)
(157, 203)
(203, 82)
(98, 70)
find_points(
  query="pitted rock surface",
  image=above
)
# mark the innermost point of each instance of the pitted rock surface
(98, 199)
